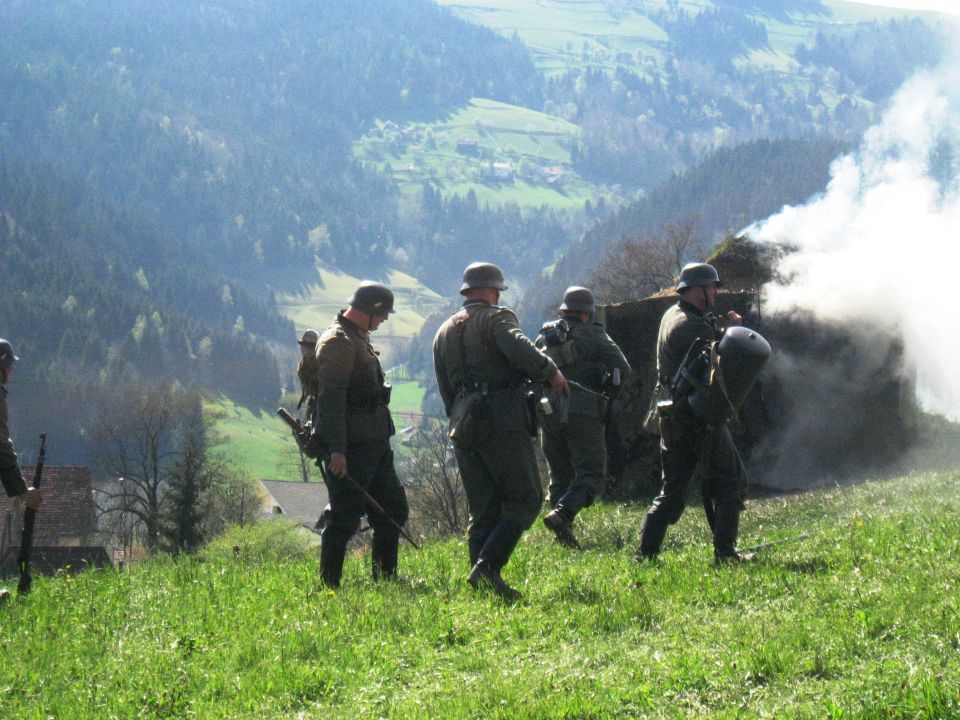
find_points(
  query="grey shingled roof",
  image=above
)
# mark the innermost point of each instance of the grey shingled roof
(300, 501)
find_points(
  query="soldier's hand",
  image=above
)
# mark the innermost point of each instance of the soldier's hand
(559, 384)
(734, 318)
(32, 498)
(338, 464)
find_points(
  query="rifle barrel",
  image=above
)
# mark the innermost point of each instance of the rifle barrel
(29, 520)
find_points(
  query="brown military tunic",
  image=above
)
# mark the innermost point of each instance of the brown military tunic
(481, 351)
(353, 419)
(10, 475)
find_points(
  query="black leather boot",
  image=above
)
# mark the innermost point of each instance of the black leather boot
(500, 543)
(384, 551)
(332, 552)
(725, 530)
(562, 528)
(485, 576)
(474, 545)
(651, 537)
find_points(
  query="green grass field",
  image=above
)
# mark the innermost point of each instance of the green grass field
(261, 443)
(314, 304)
(862, 620)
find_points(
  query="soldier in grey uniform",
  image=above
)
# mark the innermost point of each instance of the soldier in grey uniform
(482, 360)
(10, 475)
(353, 421)
(576, 452)
(685, 441)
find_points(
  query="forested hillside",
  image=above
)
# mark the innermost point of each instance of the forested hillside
(230, 123)
(722, 194)
(657, 86)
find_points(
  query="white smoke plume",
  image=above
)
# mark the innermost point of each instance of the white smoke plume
(881, 245)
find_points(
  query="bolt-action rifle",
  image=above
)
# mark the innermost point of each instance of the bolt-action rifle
(302, 436)
(29, 518)
(773, 543)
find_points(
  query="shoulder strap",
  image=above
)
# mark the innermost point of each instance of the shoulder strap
(460, 321)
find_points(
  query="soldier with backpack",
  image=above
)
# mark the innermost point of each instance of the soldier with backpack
(575, 446)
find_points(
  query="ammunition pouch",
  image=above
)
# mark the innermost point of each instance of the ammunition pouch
(369, 398)
(471, 421)
(553, 413)
(661, 407)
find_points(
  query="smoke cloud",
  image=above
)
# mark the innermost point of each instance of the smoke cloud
(881, 246)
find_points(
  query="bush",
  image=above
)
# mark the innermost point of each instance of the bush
(266, 541)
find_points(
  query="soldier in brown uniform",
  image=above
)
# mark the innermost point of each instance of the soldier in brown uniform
(482, 359)
(307, 372)
(353, 421)
(687, 443)
(576, 451)
(10, 475)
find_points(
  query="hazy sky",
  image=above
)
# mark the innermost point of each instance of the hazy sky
(945, 6)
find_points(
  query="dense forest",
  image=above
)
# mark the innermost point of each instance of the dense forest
(646, 121)
(230, 124)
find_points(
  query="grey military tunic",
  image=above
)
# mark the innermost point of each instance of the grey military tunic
(686, 444)
(577, 452)
(481, 350)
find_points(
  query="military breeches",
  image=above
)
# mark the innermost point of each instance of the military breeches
(576, 456)
(501, 481)
(371, 465)
(685, 448)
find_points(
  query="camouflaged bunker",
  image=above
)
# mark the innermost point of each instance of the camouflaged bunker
(832, 403)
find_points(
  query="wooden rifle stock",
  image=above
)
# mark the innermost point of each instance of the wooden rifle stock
(300, 433)
(29, 518)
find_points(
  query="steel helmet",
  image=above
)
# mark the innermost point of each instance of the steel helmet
(698, 274)
(373, 298)
(482, 275)
(578, 299)
(309, 338)
(7, 358)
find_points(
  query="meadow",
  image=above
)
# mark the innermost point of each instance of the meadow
(259, 442)
(859, 620)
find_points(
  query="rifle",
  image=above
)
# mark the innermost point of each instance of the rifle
(772, 543)
(29, 517)
(302, 438)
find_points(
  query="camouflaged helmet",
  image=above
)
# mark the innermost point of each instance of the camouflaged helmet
(482, 275)
(577, 299)
(7, 358)
(373, 298)
(698, 274)
(309, 338)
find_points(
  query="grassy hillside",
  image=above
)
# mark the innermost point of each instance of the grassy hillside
(514, 155)
(861, 620)
(261, 443)
(315, 303)
(600, 33)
